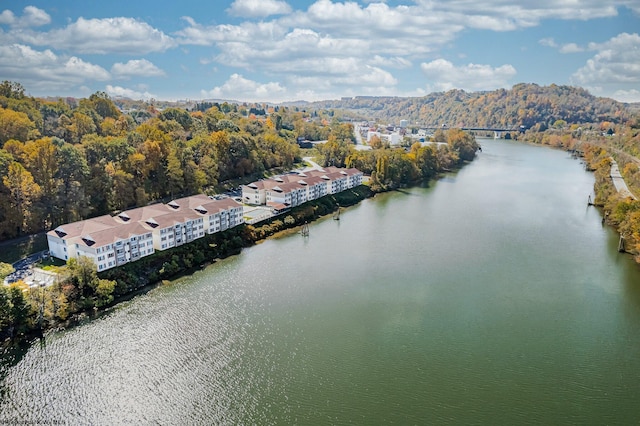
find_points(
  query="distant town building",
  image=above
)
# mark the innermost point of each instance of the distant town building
(393, 138)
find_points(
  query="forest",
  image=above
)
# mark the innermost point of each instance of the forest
(64, 160)
(69, 159)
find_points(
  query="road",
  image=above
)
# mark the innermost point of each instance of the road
(314, 165)
(618, 181)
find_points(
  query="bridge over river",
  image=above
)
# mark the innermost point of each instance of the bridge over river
(474, 129)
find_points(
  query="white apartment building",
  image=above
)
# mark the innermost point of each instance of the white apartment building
(290, 194)
(112, 241)
(293, 189)
(101, 239)
(255, 193)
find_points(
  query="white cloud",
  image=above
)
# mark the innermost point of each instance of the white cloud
(246, 32)
(632, 95)
(76, 67)
(122, 92)
(99, 36)
(258, 8)
(7, 17)
(136, 68)
(341, 47)
(239, 88)
(401, 30)
(32, 17)
(377, 29)
(565, 48)
(44, 70)
(616, 61)
(501, 15)
(443, 75)
(548, 42)
(571, 48)
(614, 68)
(394, 62)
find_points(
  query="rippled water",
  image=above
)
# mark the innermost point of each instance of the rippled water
(494, 297)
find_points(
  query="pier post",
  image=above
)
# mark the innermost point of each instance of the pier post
(621, 245)
(305, 230)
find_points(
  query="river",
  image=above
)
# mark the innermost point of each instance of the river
(494, 296)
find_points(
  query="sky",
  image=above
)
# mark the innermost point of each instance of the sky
(287, 50)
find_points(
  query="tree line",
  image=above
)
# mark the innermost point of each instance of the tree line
(68, 159)
(393, 167)
(528, 105)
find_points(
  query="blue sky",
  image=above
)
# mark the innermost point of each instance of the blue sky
(278, 50)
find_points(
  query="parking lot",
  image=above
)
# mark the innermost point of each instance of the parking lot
(24, 269)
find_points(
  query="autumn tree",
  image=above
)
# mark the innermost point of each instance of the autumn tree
(41, 160)
(23, 191)
(463, 143)
(80, 125)
(15, 125)
(101, 103)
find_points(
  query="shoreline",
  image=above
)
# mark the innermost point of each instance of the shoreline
(137, 278)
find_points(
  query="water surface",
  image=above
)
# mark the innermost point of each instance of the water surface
(495, 296)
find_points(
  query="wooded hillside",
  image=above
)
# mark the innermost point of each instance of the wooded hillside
(530, 105)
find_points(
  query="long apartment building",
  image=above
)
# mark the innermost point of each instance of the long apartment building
(293, 189)
(112, 241)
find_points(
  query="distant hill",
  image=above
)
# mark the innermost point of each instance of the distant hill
(529, 105)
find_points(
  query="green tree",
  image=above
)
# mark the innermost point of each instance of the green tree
(19, 312)
(11, 89)
(23, 191)
(81, 125)
(335, 151)
(104, 292)
(72, 174)
(101, 103)
(426, 160)
(175, 173)
(5, 270)
(5, 310)
(181, 116)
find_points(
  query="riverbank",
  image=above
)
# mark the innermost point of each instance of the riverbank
(168, 264)
(619, 208)
(83, 291)
(78, 297)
